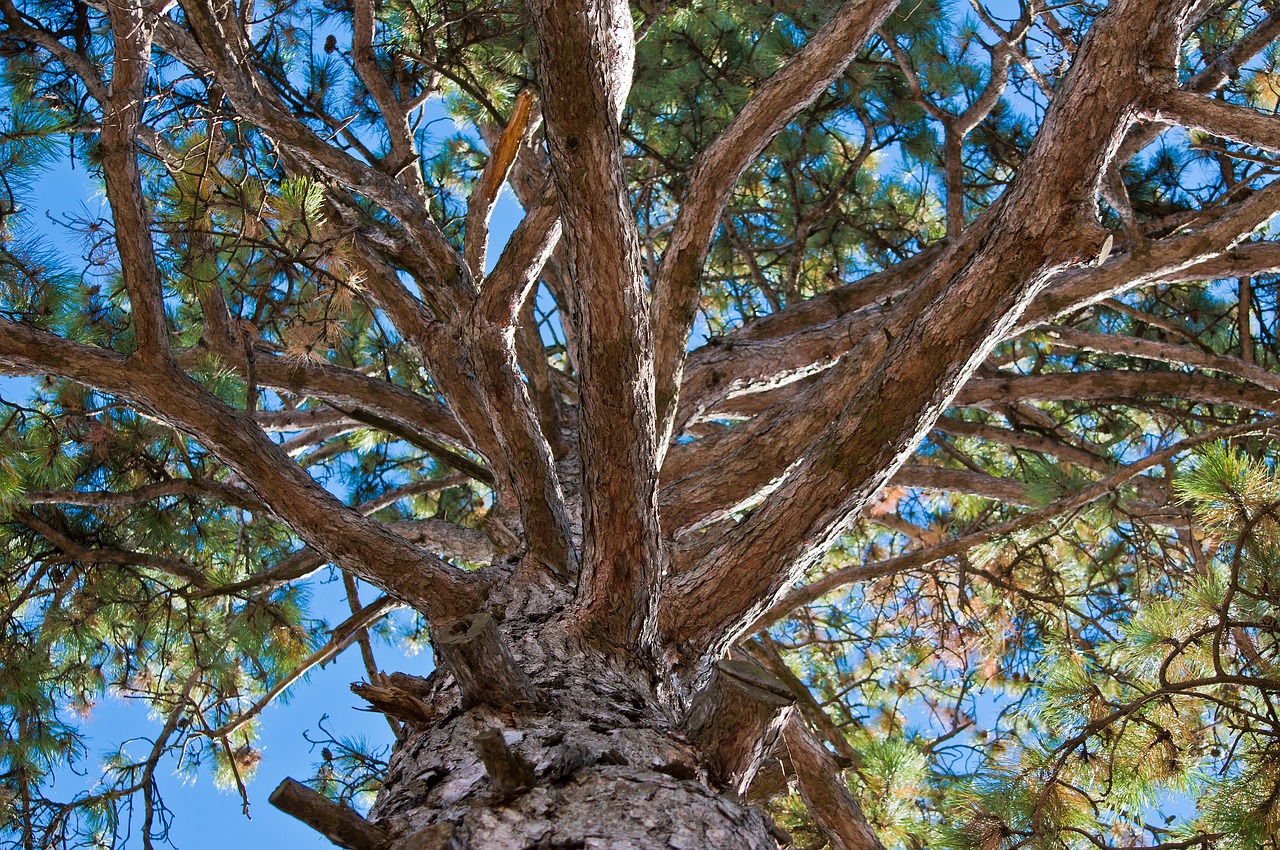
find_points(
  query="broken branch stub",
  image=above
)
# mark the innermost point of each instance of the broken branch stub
(730, 717)
(400, 696)
(509, 772)
(338, 823)
(438, 836)
(482, 664)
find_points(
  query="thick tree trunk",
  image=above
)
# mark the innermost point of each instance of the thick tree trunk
(600, 760)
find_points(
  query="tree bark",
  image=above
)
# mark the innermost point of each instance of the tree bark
(603, 761)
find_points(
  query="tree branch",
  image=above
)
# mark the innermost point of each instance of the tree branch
(477, 655)
(828, 799)
(1102, 488)
(718, 169)
(395, 116)
(341, 636)
(777, 350)
(122, 114)
(491, 334)
(1211, 78)
(1114, 385)
(967, 303)
(345, 537)
(720, 471)
(336, 822)
(1218, 118)
(226, 58)
(485, 194)
(586, 50)
(203, 488)
(111, 555)
(1163, 352)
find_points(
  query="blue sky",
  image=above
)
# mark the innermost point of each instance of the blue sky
(199, 804)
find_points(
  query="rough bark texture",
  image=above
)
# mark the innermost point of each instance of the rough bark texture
(610, 767)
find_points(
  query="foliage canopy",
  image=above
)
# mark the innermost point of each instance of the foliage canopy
(838, 336)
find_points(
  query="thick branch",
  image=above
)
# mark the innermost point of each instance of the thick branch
(354, 394)
(586, 51)
(395, 116)
(436, 534)
(491, 335)
(1219, 118)
(964, 481)
(738, 478)
(1164, 352)
(121, 118)
(828, 799)
(770, 353)
(499, 435)
(966, 304)
(1118, 386)
(766, 651)
(1020, 439)
(777, 101)
(719, 472)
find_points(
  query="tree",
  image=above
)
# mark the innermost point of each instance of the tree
(893, 326)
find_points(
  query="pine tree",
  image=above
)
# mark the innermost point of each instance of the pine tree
(861, 441)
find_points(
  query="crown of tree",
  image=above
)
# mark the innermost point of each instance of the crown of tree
(861, 440)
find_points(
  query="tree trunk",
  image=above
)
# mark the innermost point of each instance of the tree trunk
(601, 759)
